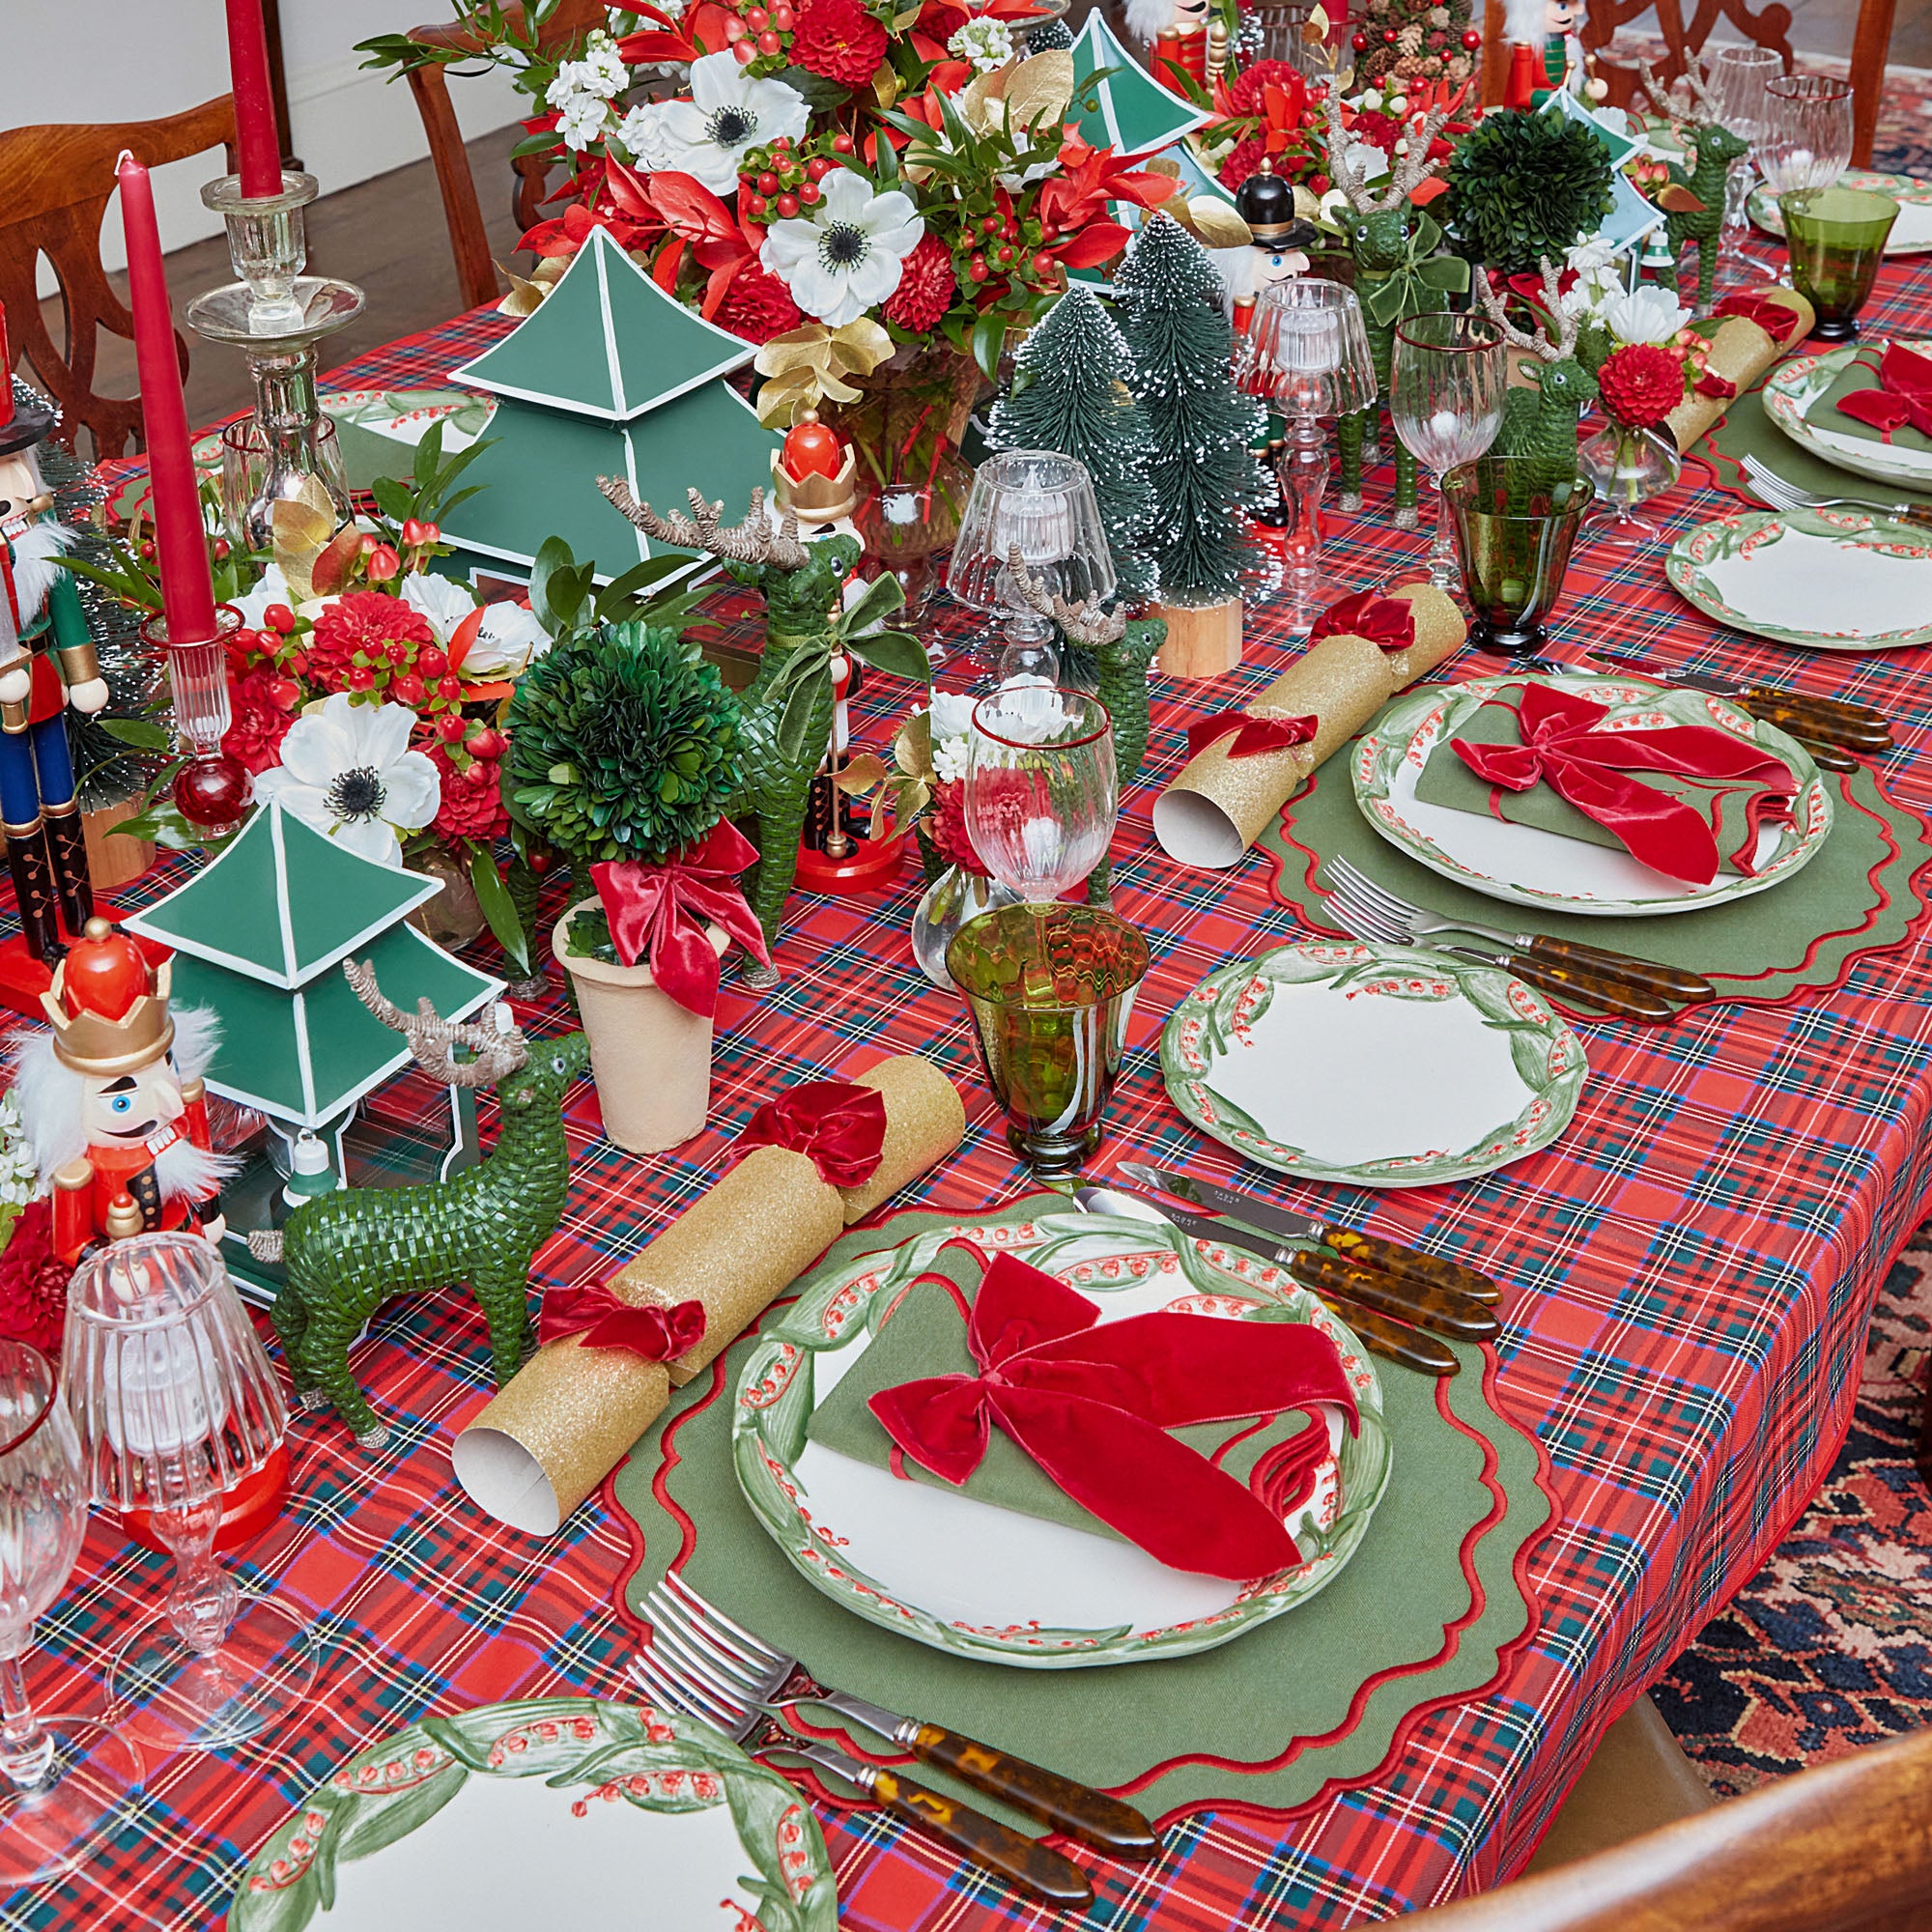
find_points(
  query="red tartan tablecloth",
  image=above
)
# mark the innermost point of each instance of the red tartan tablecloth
(1690, 1270)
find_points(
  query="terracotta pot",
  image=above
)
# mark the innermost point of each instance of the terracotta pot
(650, 1057)
(113, 858)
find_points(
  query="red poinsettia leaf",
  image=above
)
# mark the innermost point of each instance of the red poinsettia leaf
(1426, 189)
(690, 209)
(1100, 241)
(721, 278)
(663, 270)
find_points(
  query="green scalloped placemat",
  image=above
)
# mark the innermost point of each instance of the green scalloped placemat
(1744, 429)
(1856, 896)
(1425, 1614)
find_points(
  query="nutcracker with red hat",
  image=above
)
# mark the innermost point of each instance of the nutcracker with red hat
(46, 663)
(112, 1101)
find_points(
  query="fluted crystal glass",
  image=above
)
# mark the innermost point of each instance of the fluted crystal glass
(1738, 77)
(1446, 398)
(1808, 141)
(1041, 789)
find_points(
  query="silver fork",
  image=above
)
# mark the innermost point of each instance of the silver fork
(701, 1661)
(1370, 912)
(1783, 496)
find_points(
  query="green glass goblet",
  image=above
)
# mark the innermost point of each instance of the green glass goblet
(1836, 237)
(1514, 519)
(1051, 988)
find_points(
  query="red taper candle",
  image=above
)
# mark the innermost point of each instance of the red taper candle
(257, 141)
(187, 591)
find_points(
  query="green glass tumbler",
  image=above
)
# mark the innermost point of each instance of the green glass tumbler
(1836, 237)
(1515, 519)
(1051, 988)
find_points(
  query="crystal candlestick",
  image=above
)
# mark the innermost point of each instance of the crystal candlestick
(211, 789)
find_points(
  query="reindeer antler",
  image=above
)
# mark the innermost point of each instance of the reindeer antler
(1663, 99)
(1539, 345)
(1407, 173)
(1085, 622)
(433, 1040)
(753, 541)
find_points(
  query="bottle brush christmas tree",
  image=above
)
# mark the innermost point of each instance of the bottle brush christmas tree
(1202, 427)
(1071, 393)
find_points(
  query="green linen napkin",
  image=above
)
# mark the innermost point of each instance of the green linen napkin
(1447, 780)
(926, 1335)
(1859, 374)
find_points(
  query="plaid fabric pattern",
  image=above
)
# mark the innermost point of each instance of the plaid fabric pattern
(1690, 1270)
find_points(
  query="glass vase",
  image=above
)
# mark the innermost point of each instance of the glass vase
(1629, 466)
(952, 899)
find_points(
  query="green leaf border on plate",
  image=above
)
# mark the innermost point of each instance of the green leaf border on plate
(1795, 385)
(617, 1752)
(1764, 211)
(775, 1399)
(1740, 532)
(1412, 723)
(1548, 1056)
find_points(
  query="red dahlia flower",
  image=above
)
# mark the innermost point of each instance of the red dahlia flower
(260, 720)
(366, 622)
(472, 799)
(947, 828)
(927, 286)
(838, 40)
(32, 1281)
(757, 305)
(1640, 383)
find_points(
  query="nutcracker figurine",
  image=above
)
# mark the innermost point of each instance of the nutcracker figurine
(112, 1101)
(1546, 54)
(42, 626)
(1175, 33)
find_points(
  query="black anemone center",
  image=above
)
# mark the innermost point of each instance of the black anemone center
(732, 127)
(357, 793)
(843, 246)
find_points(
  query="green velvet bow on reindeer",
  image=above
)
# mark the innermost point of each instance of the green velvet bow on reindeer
(1419, 282)
(806, 669)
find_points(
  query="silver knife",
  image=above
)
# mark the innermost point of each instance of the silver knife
(1390, 1257)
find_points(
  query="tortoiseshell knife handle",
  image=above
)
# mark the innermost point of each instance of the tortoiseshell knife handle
(1034, 1792)
(1022, 1861)
(1631, 1003)
(1859, 726)
(1811, 732)
(1453, 1315)
(1674, 983)
(1410, 1263)
(1397, 1341)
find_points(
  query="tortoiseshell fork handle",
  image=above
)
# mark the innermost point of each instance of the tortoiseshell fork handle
(1674, 983)
(1452, 1315)
(1856, 727)
(1395, 1341)
(1412, 1264)
(1631, 1003)
(1021, 1861)
(1091, 1816)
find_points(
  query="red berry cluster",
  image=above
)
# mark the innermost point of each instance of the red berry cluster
(760, 35)
(998, 244)
(348, 648)
(782, 182)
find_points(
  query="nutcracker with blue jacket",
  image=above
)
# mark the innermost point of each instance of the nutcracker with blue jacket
(46, 663)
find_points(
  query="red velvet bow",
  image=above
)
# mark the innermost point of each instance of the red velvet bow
(1091, 1402)
(1778, 321)
(662, 910)
(1388, 621)
(1904, 394)
(657, 1334)
(1718, 389)
(1252, 736)
(840, 1123)
(1563, 746)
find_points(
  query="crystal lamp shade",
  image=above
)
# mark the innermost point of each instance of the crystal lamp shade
(1045, 503)
(1308, 336)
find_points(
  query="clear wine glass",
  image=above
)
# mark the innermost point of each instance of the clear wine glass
(1040, 788)
(1807, 142)
(176, 1404)
(1446, 397)
(1737, 76)
(65, 1777)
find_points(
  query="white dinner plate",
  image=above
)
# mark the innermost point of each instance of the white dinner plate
(1792, 389)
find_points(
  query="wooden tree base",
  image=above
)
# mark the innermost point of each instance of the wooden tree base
(113, 858)
(1203, 639)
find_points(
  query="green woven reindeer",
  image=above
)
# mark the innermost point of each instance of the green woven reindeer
(1398, 274)
(1541, 422)
(784, 718)
(348, 1253)
(1694, 203)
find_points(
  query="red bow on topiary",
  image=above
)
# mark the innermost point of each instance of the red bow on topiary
(840, 1123)
(661, 911)
(1564, 747)
(1091, 1402)
(1252, 736)
(595, 1313)
(1387, 621)
(1904, 394)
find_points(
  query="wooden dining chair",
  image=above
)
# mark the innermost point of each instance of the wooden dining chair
(54, 186)
(1844, 1847)
(462, 213)
(1770, 26)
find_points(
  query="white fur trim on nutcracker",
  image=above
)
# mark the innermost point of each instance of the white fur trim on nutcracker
(1525, 22)
(37, 555)
(49, 1096)
(1148, 18)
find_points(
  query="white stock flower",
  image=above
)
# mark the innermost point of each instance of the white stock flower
(582, 119)
(1647, 313)
(848, 257)
(986, 43)
(949, 726)
(603, 67)
(347, 768)
(707, 135)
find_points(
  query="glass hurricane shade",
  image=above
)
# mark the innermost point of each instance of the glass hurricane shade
(1309, 343)
(1836, 237)
(1807, 139)
(1045, 503)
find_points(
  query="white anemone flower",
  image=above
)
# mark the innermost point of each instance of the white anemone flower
(347, 770)
(707, 135)
(849, 256)
(507, 642)
(442, 602)
(1645, 313)
(271, 587)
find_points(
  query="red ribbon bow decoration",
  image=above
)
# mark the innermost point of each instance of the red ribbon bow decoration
(1252, 736)
(840, 1123)
(1387, 621)
(1904, 394)
(595, 1313)
(1714, 387)
(1091, 1402)
(1564, 747)
(1778, 321)
(662, 911)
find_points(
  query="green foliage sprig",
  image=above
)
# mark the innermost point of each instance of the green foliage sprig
(1524, 186)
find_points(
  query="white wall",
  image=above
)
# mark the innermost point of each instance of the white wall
(137, 60)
